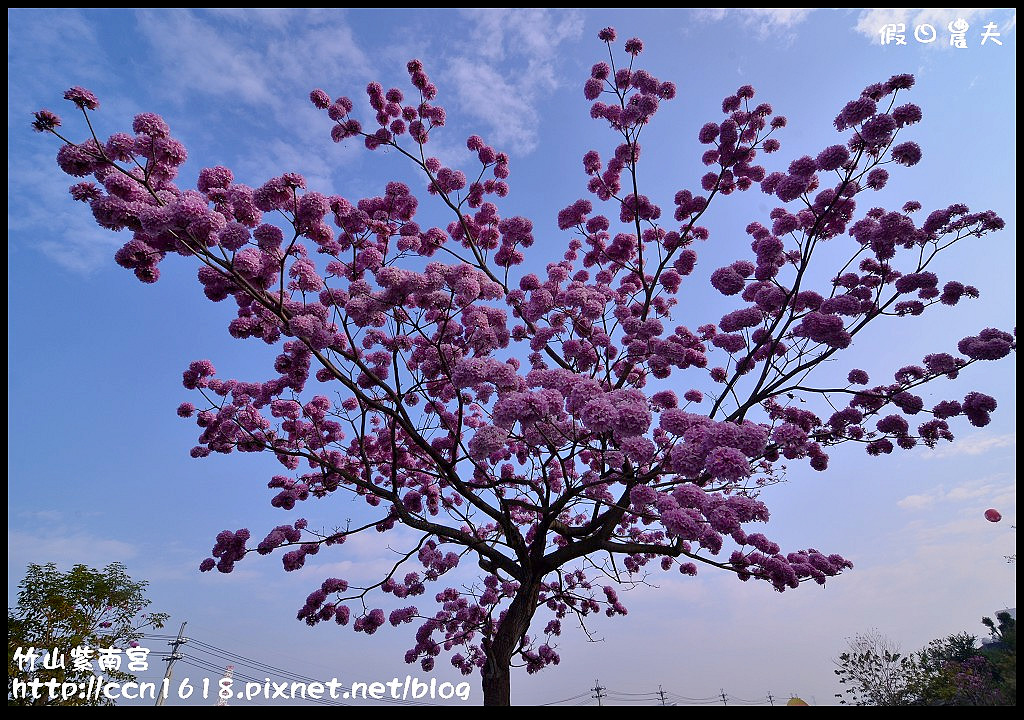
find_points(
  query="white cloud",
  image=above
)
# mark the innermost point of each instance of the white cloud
(777, 23)
(257, 57)
(977, 444)
(487, 96)
(70, 236)
(917, 502)
(324, 45)
(871, 22)
(65, 548)
(507, 65)
(271, 17)
(198, 57)
(50, 516)
(37, 54)
(996, 490)
(262, 63)
(278, 156)
(266, 61)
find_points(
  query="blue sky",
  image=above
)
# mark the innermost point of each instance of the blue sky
(98, 462)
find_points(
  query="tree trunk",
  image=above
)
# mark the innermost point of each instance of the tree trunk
(497, 684)
(497, 678)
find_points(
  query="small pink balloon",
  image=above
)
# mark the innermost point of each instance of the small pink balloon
(992, 515)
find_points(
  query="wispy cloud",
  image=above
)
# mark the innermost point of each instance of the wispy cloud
(977, 444)
(65, 548)
(201, 59)
(258, 66)
(40, 216)
(777, 23)
(917, 502)
(274, 157)
(486, 95)
(507, 65)
(263, 58)
(270, 17)
(71, 238)
(38, 44)
(262, 63)
(49, 516)
(992, 490)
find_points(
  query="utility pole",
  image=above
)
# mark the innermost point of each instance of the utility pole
(598, 691)
(661, 694)
(180, 640)
(771, 700)
(724, 702)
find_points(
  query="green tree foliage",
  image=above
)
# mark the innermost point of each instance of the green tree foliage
(1002, 653)
(59, 611)
(954, 670)
(875, 672)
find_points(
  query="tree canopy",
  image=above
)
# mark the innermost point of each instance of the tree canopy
(562, 429)
(58, 613)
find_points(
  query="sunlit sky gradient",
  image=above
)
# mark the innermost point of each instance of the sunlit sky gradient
(98, 461)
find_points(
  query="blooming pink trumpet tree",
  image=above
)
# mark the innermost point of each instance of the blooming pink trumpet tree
(541, 425)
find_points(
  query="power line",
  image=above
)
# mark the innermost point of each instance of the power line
(745, 701)
(258, 666)
(201, 664)
(574, 697)
(255, 664)
(621, 692)
(287, 674)
(661, 696)
(699, 701)
(598, 692)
